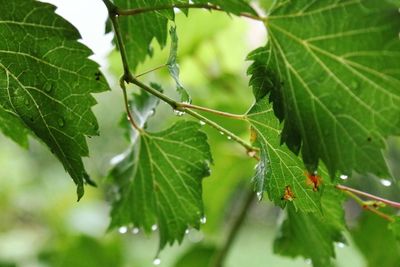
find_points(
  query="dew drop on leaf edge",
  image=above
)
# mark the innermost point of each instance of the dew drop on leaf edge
(123, 229)
(156, 261)
(135, 231)
(386, 182)
(203, 220)
(154, 227)
(344, 177)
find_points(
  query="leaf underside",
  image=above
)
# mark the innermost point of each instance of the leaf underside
(46, 81)
(336, 82)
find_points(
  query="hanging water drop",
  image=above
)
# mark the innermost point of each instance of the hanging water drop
(259, 195)
(340, 244)
(187, 231)
(123, 230)
(154, 227)
(229, 137)
(157, 261)
(222, 133)
(151, 112)
(343, 176)
(61, 122)
(386, 183)
(179, 113)
(203, 220)
(135, 231)
(202, 123)
(308, 261)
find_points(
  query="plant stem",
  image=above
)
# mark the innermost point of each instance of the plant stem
(221, 113)
(151, 70)
(179, 106)
(136, 11)
(368, 207)
(233, 233)
(370, 196)
(128, 110)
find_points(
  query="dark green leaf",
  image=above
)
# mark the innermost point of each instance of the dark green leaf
(332, 70)
(395, 227)
(160, 181)
(312, 235)
(376, 242)
(45, 83)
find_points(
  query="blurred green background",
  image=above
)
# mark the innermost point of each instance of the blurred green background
(41, 224)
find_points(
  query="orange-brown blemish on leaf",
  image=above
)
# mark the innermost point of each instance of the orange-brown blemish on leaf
(314, 180)
(253, 135)
(288, 194)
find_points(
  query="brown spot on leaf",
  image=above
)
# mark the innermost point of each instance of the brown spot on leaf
(288, 194)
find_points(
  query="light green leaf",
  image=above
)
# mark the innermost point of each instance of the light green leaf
(173, 66)
(160, 181)
(279, 169)
(312, 235)
(140, 30)
(45, 83)
(334, 76)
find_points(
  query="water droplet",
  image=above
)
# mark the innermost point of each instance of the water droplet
(386, 183)
(202, 123)
(61, 122)
(48, 87)
(187, 231)
(154, 227)
(340, 244)
(229, 137)
(157, 261)
(343, 176)
(135, 231)
(308, 261)
(151, 112)
(354, 84)
(203, 220)
(222, 133)
(179, 113)
(259, 196)
(123, 230)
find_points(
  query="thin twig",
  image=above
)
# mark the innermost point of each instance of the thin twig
(370, 196)
(151, 70)
(366, 206)
(209, 110)
(136, 11)
(127, 108)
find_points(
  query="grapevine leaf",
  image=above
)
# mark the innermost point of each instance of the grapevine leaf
(45, 83)
(139, 30)
(159, 180)
(373, 230)
(336, 85)
(173, 66)
(279, 170)
(312, 235)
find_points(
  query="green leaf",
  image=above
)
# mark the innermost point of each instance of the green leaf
(140, 30)
(160, 181)
(173, 66)
(46, 81)
(371, 231)
(395, 227)
(334, 76)
(279, 170)
(197, 256)
(312, 235)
